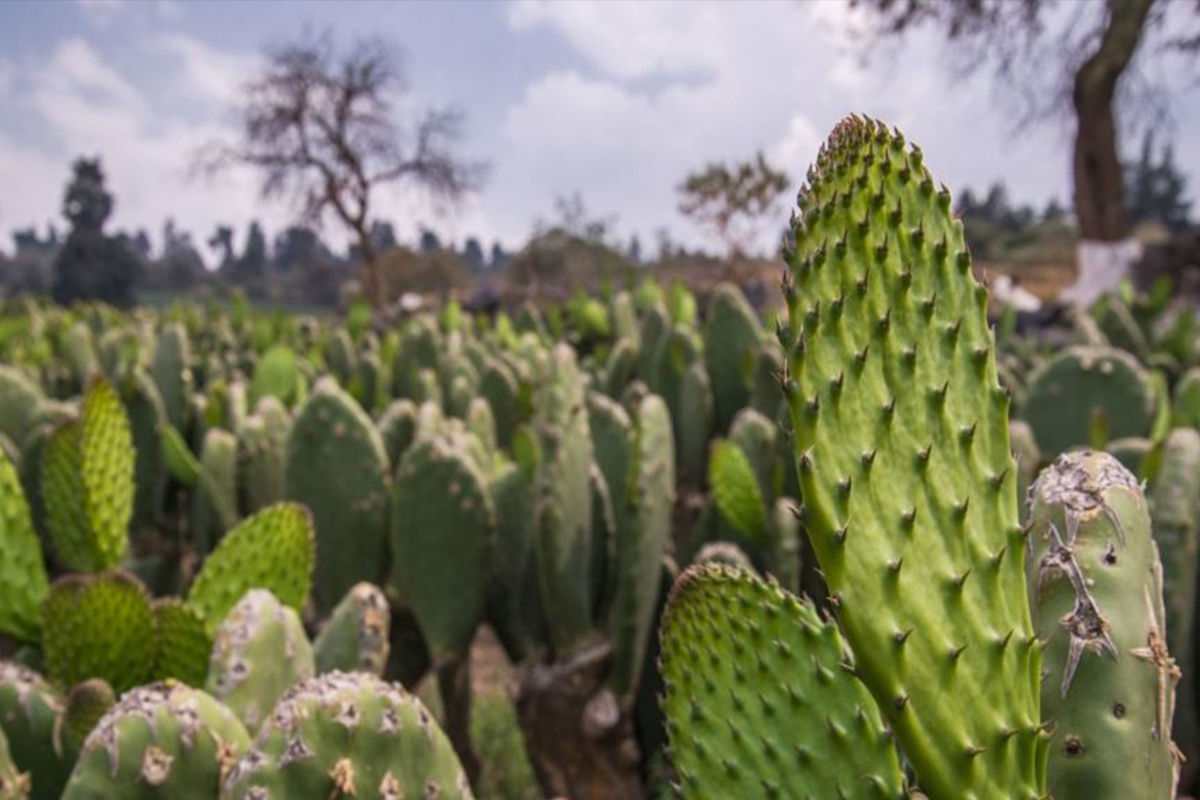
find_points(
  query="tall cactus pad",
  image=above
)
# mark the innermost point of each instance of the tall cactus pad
(272, 550)
(355, 637)
(901, 445)
(736, 491)
(641, 546)
(87, 483)
(259, 652)
(86, 706)
(337, 466)
(14, 785)
(214, 502)
(732, 335)
(23, 582)
(442, 523)
(1070, 391)
(1095, 583)
(30, 715)
(184, 644)
(165, 740)
(99, 626)
(172, 372)
(347, 736)
(262, 455)
(759, 702)
(20, 404)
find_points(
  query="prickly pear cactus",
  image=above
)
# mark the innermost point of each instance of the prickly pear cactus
(732, 335)
(902, 450)
(146, 418)
(87, 703)
(355, 637)
(514, 603)
(276, 375)
(214, 503)
(736, 491)
(398, 428)
(31, 717)
(14, 784)
(273, 550)
(1185, 404)
(442, 524)
(693, 425)
(99, 626)
(1095, 584)
(1081, 386)
(337, 466)
(759, 701)
(87, 483)
(499, 386)
(172, 372)
(346, 736)
(262, 455)
(20, 403)
(23, 582)
(184, 644)
(165, 740)
(178, 457)
(259, 652)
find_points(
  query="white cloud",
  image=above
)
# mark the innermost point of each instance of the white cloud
(208, 72)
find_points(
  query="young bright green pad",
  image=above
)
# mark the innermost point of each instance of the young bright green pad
(108, 463)
(736, 491)
(259, 652)
(902, 449)
(355, 637)
(63, 497)
(442, 524)
(1095, 584)
(184, 644)
(276, 375)
(759, 702)
(273, 550)
(30, 715)
(98, 626)
(165, 741)
(23, 582)
(346, 736)
(14, 785)
(337, 466)
(181, 463)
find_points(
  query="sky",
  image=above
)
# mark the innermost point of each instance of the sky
(617, 101)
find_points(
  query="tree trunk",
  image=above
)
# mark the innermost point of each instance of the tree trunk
(373, 282)
(580, 741)
(1099, 183)
(454, 684)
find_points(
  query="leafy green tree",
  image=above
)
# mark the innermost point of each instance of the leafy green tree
(91, 265)
(729, 199)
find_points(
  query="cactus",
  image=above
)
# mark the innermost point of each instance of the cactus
(642, 544)
(31, 717)
(259, 651)
(87, 703)
(1081, 386)
(23, 582)
(172, 373)
(14, 785)
(273, 550)
(621, 366)
(604, 547)
(147, 415)
(1185, 404)
(262, 455)
(732, 334)
(20, 404)
(87, 483)
(276, 375)
(513, 604)
(165, 740)
(183, 642)
(214, 503)
(398, 428)
(339, 356)
(1176, 525)
(180, 462)
(342, 736)
(744, 662)
(355, 637)
(99, 626)
(736, 491)
(693, 425)
(337, 466)
(79, 353)
(1095, 584)
(909, 488)
(725, 553)
(442, 524)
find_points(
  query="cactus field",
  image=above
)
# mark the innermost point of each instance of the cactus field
(871, 543)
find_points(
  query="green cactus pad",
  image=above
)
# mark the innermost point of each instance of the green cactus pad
(276, 375)
(901, 445)
(178, 457)
(87, 703)
(14, 784)
(146, 418)
(184, 644)
(1185, 404)
(259, 652)
(20, 404)
(337, 466)
(732, 334)
(262, 455)
(736, 491)
(165, 741)
(172, 373)
(398, 428)
(63, 497)
(693, 425)
(98, 626)
(273, 550)
(1081, 386)
(31, 717)
(514, 603)
(345, 736)
(214, 502)
(759, 701)
(23, 582)
(442, 524)
(355, 637)
(725, 553)
(1095, 584)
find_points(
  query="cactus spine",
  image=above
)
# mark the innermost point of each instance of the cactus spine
(1095, 584)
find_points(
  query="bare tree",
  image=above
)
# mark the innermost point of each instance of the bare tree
(1062, 54)
(320, 126)
(720, 196)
